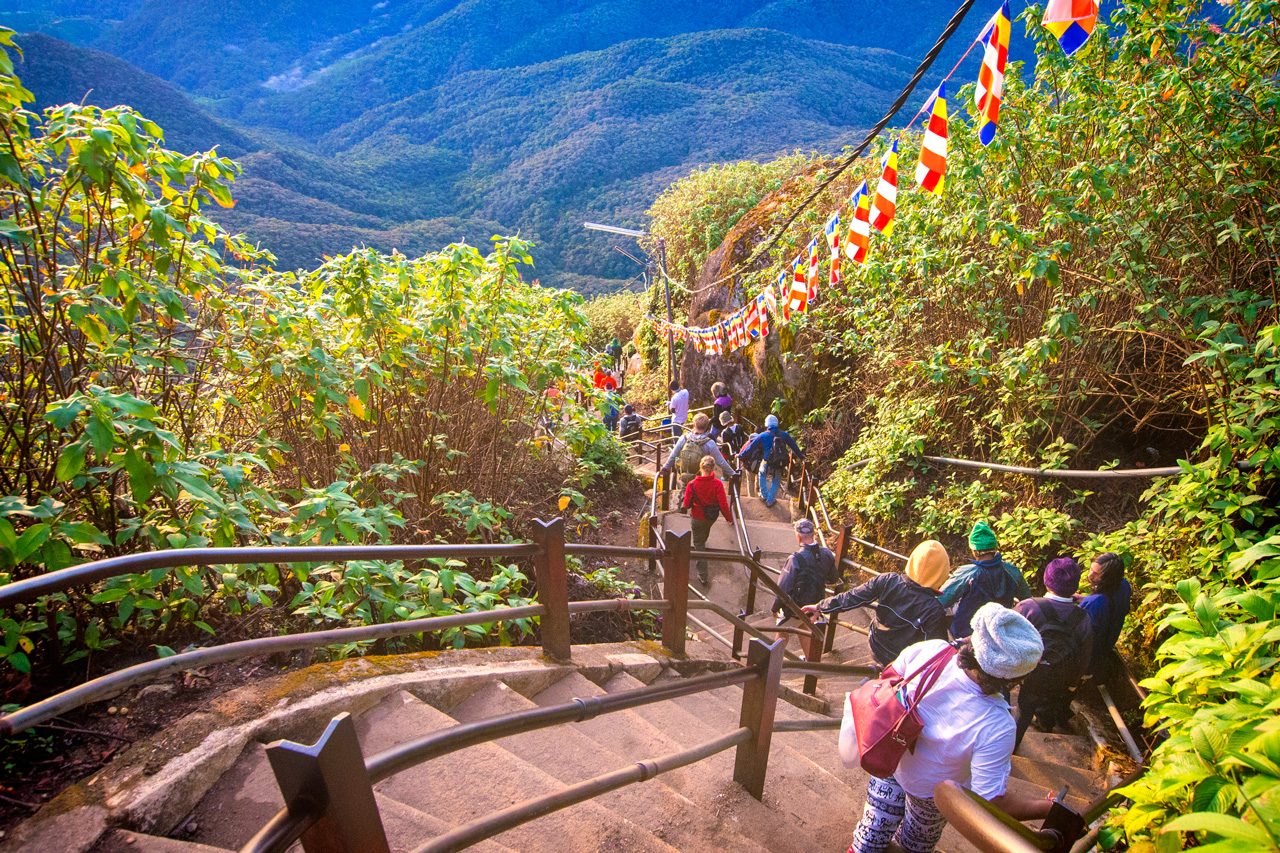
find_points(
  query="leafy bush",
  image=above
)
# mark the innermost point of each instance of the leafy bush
(162, 390)
(615, 316)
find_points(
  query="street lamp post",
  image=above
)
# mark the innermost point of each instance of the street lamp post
(666, 287)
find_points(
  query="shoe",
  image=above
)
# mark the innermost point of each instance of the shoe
(703, 579)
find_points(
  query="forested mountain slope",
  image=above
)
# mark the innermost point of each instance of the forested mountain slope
(404, 123)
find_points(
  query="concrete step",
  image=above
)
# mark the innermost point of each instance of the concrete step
(1067, 750)
(243, 799)
(120, 841)
(571, 756)
(802, 792)
(709, 784)
(473, 782)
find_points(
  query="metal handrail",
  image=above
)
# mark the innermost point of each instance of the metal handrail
(464, 836)
(986, 826)
(286, 826)
(406, 755)
(62, 580)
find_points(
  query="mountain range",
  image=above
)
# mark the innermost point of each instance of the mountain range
(412, 123)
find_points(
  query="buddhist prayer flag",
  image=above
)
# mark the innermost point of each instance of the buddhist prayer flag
(770, 295)
(765, 303)
(990, 91)
(737, 332)
(1071, 21)
(886, 200)
(797, 298)
(815, 266)
(751, 317)
(932, 168)
(832, 230)
(859, 236)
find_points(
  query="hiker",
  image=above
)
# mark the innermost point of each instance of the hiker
(805, 578)
(690, 449)
(705, 499)
(1107, 607)
(967, 738)
(610, 408)
(771, 450)
(732, 435)
(631, 427)
(907, 609)
(614, 351)
(987, 578)
(597, 377)
(679, 408)
(721, 401)
(1067, 633)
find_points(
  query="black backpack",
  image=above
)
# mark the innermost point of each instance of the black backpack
(631, 427)
(988, 583)
(1060, 646)
(779, 458)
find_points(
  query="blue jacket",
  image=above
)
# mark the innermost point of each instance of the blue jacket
(975, 584)
(765, 441)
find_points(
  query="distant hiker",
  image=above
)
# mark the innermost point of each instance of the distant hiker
(679, 408)
(705, 499)
(987, 578)
(772, 451)
(967, 737)
(597, 377)
(614, 351)
(907, 609)
(732, 435)
(1107, 607)
(610, 408)
(631, 427)
(609, 382)
(805, 578)
(1045, 694)
(721, 403)
(690, 449)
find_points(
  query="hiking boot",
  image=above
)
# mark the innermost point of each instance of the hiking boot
(703, 579)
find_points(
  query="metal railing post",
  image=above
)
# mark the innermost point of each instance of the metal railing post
(804, 488)
(738, 635)
(759, 702)
(329, 778)
(675, 588)
(666, 489)
(842, 551)
(553, 587)
(813, 654)
(653, 543)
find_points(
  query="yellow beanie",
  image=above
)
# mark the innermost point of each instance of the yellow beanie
(929, 564)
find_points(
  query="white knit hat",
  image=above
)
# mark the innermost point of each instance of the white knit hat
(1004, 642)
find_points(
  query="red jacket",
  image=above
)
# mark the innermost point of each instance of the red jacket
(709, 491)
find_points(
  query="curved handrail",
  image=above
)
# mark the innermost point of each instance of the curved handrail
(987, 827)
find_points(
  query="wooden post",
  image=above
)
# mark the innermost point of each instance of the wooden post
(666, 489)
(553, 587)
(675, 588)
(330, 775)
(804, 488)
(653, 543)
(759, 703)
(735, 483)
(842, 550)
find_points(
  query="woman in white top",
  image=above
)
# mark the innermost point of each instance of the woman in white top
(968, 735)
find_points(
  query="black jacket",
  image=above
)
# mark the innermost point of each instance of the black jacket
(906, 613)
(806, 575)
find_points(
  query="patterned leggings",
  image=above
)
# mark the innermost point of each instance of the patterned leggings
(914, 823)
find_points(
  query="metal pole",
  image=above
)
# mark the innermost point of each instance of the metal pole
(330, 777)
(675, 589)
(666, 287)
(759, 704)
(553, 587)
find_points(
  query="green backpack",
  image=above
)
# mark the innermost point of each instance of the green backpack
(692, 452)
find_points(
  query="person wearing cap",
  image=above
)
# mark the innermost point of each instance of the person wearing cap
(764, 444)
(732, 435)
(987, 578)
(907, 609)
(631, 427)
(805, 577)
(1067, 633)
(967, 738)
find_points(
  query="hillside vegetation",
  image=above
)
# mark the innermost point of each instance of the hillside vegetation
(1096, 288)
(414, 123)
(163, 389)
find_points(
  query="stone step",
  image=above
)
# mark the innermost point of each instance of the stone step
(633, 736)
(1067, 750)
(473, 782)
(805, 794)
(571, 756)
(121, 841)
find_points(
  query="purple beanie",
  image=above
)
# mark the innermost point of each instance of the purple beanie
(1062, 576)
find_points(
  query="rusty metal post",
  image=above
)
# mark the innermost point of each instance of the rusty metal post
(842, 551)
(759, 703)
(738, 634)
(804, 488)
(675, 588)
(666, 489)
(813, 653)
(329, 778)
(653, 543)
(553, 587)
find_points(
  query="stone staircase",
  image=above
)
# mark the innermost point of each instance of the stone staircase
(810, 802)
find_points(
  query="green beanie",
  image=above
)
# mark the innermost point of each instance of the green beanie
(983, 538)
